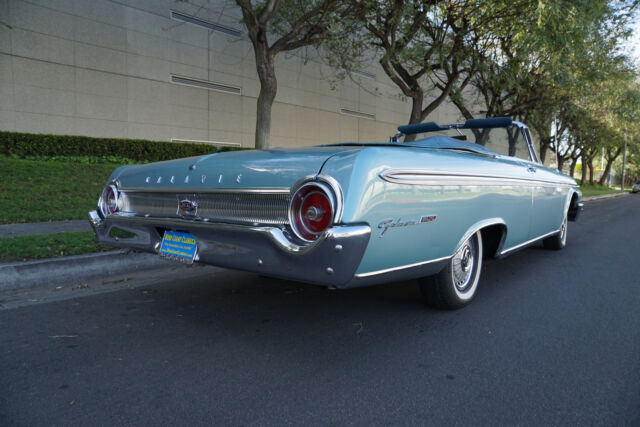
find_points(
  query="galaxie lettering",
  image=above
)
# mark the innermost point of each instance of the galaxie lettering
(390, 223)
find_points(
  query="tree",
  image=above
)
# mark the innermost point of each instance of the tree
(614, 104)
(298, 24)
(507, 76)
(626, 113)
(535, 68)
(421, 46)
(633, 158)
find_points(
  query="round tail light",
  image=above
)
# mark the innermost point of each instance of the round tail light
(109, 200)
(312, 210)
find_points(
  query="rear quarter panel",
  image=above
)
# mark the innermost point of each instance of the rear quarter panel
(457, 208)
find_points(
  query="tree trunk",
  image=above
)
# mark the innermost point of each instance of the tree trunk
(605, 174)
(543, 151)
(263, 116)
(481, 136)
(512, 135)
(416, 114)
(611, 157)
(591, 172)
(560, 163)
(572, 169)
(268, 88)
(583, 178)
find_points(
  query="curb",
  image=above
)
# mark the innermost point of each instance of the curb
(29, 274)
(605, 196)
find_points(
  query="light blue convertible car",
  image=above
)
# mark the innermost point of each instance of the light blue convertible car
(350, 214)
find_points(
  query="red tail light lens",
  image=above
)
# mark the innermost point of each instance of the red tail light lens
(109, 200)
(312, 210)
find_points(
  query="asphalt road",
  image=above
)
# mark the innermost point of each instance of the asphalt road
(552, 338)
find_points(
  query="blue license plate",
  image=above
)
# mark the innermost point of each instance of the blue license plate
(179, 246)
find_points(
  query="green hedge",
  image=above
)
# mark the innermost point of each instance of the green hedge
(25, 145)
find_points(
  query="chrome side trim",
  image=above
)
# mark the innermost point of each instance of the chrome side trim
(528, 242)
(470, 232)
(402, 267)
(207, 190)
(433, 177)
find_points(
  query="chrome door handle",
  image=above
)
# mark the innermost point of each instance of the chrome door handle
(531, 169)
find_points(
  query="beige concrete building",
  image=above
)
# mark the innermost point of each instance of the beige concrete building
(174, 70)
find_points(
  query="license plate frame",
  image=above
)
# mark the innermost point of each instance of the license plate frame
(178, 246)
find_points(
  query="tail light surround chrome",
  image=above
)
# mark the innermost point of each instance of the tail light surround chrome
(313, 208)
(108, 202)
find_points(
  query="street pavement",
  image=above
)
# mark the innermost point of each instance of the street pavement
(552, 338)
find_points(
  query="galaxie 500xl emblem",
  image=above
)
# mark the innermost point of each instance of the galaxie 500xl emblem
(187, 208)
(390, 223)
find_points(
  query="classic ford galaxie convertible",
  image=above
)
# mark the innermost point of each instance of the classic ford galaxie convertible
(350, 214)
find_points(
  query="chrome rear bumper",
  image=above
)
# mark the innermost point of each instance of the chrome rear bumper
(331, 261)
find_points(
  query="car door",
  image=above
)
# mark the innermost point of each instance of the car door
(517, 193)
(549, 200)
(549, 195)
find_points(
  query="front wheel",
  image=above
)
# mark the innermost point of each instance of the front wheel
(558, 240)
(456, 284)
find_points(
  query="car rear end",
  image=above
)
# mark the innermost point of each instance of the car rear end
(265, 212)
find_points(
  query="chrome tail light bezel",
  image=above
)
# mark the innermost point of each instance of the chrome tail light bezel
(331, 190)
(103, 202)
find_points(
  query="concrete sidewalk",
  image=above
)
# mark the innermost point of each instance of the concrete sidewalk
(51, 227)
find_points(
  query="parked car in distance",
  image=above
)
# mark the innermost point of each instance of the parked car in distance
(350, 214)
(636, 187)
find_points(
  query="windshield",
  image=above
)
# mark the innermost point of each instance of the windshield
(506, 141)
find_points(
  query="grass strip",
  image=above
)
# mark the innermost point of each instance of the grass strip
(587, 193)
(37, 190)
(596, 190)
(36, 246)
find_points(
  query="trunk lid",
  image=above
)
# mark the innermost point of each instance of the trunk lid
(275, 168)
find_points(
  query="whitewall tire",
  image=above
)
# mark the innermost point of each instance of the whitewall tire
(455, 286)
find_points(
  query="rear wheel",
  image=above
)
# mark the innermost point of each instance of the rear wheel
(558, 240)
(455, 286)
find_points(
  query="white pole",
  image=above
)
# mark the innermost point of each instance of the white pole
(557, 140)
(624, 158)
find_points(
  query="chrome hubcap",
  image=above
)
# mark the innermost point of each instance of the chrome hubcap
(563, 230)
(462, 266)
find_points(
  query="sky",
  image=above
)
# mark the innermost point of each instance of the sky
(634, 42)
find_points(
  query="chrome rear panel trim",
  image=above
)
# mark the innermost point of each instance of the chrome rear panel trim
(236, 207)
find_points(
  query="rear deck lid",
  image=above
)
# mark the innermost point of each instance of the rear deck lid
(275, 168)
